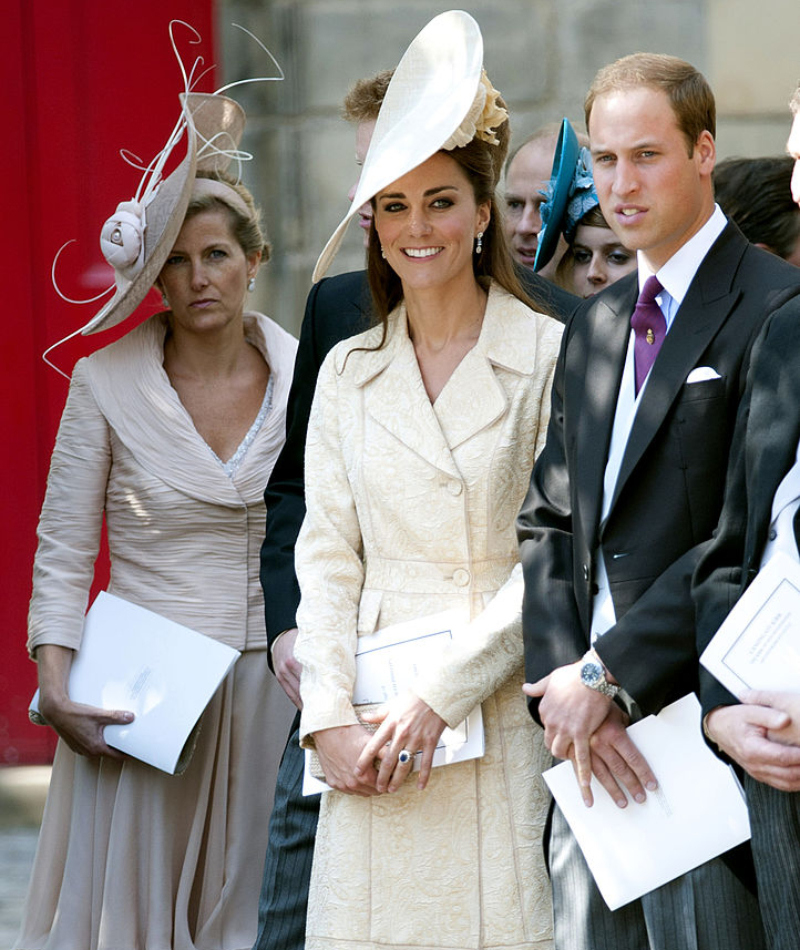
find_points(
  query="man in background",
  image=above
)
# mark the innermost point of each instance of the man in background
(528, 171)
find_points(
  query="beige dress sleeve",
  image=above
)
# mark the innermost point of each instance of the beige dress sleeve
(71, 521)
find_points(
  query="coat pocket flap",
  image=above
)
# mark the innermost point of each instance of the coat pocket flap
(369, 610)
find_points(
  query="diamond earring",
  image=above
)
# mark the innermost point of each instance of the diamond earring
(479, 242)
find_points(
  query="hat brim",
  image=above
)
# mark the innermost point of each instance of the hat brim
(564, 161)
(208, 117)
(165, 215)
(428, 97)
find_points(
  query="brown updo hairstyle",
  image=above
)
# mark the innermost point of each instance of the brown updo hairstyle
(248, 231)
(482, 163)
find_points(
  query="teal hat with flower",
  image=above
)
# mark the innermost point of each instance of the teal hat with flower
(569, 194)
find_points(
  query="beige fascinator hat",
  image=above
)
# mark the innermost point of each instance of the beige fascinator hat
(439, 98)
(137, 238)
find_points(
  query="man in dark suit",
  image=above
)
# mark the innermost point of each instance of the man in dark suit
(630, 483)
(337, 307)
(759, 519)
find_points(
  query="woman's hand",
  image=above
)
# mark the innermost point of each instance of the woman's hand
(407, 724)
(339, 749)
(81, 727)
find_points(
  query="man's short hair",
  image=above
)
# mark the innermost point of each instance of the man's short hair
(363, 102)
(689, 94)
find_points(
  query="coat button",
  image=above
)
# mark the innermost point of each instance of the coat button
(772, 534)
(461, 577)
(454, 487)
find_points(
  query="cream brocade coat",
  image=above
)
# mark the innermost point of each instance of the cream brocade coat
(411, 511)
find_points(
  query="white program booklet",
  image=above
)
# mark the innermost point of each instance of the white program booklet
(697, 812)
(387, 662)
(164, 673)
(758, 645)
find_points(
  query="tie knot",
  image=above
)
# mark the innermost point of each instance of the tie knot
(652, 288)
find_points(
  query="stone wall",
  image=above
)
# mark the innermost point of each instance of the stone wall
(542, 54)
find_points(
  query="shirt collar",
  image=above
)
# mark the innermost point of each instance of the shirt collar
(678, 273)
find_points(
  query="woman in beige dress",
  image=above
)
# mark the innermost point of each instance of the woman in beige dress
(421, 441)
(171, 433)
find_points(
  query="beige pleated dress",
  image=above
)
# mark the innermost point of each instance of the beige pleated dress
(130, 858)
(411, 511)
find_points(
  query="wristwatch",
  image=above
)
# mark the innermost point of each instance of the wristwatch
(593, 675)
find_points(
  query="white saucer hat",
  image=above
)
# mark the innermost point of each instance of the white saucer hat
(438, 98)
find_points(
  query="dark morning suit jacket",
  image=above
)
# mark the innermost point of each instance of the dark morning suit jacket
(337, 307)
(670, 486)
(764, 449)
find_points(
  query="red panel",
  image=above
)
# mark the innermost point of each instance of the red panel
(81, 79)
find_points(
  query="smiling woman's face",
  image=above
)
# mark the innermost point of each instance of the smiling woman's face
(427, 222)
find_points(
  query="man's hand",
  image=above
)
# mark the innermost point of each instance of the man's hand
(587, 727)
(338, 749)
(617, 763)
(571, 713)
(788, 703)
(287, 669)
(748, 733)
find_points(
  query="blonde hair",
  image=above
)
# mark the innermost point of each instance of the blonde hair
(247, 229)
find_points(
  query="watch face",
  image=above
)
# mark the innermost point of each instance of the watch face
(591, 673)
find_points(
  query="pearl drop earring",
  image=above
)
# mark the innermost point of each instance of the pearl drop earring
(251, 285)
(479, 242)
(383, 253)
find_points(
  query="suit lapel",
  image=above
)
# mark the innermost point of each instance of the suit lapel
(598, 386)
(709, 300)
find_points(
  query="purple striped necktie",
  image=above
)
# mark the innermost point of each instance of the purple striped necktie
(649, 327)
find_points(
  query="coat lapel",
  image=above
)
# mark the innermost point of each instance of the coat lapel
(607, 344)
(473, 398)
(395, 397)
(710, 298)
(135, 395)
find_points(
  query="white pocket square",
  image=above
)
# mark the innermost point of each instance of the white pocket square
(701, 373)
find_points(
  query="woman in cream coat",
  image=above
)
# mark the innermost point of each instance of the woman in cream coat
(421, 441)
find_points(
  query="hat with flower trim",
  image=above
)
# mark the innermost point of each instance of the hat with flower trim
(569, 194)
(137, 239)
(439, 97)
